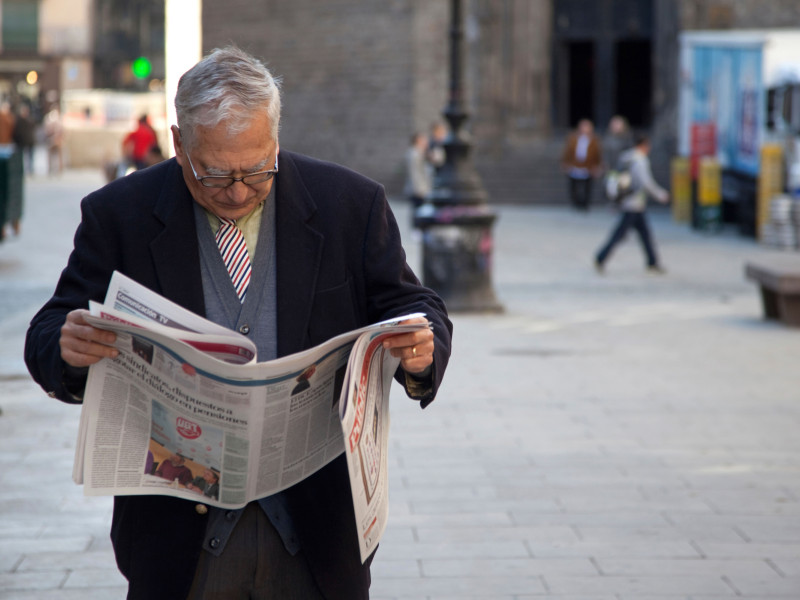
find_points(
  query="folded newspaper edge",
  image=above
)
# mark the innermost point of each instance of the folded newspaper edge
(186, 410)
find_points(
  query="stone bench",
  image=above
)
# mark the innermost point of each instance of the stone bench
(778, 277)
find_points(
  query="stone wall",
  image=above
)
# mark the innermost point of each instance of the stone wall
(510, 58)
(358, 77)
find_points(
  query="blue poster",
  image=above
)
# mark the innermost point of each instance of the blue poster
(727, 91)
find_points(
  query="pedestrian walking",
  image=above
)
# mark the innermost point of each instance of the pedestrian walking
(325, 257)
(419, 177)
(582, 160)
(138, 143)
(634, 204)
(25, 136)
(7, 121)
(617, 139)
(54, 133)
(435, 153)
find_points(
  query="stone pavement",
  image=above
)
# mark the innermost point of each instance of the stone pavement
(616, 437)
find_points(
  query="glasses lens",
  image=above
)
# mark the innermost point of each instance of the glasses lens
(223, 181)
(258, 177)
(216, 181)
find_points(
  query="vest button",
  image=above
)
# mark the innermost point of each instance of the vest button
(201, 509)
(244, 329)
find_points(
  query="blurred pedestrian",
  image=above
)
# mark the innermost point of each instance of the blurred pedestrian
(582, 160)
(634, 204)
(6, 124)
(25, 136)
(616, 140)
(419, 180)
(54, 133)
(435, 153)
(138, 143)
(154, 156)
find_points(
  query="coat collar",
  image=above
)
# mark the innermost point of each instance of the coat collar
(298, 243)
(175, 251)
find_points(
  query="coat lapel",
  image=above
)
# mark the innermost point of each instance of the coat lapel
(299, 250)
(175, 251)
(298, 245)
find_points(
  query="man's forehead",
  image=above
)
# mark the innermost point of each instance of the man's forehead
(248, 148)
(219, 165)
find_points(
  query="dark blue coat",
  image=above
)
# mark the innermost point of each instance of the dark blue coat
(340, 266)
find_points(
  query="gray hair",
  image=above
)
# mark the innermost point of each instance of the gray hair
(227, 85)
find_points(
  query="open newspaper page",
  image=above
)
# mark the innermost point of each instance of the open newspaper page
(130, 302)
(364, 410)
(187, 411)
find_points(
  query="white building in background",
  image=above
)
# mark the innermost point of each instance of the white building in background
(78, 55)
(46, 47)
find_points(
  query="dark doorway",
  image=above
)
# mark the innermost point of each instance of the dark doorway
(634, 71)
(581, 81)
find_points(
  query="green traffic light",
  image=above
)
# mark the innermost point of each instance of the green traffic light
(141, 67)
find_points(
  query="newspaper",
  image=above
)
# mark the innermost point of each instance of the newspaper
(186, 410)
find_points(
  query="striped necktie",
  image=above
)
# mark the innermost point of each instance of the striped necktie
(233, 249)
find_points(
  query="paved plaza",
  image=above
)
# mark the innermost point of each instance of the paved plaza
(607, 437)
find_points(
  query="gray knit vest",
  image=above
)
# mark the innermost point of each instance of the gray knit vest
(256, 317)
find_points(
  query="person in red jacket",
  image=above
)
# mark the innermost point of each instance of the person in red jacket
(138, 143)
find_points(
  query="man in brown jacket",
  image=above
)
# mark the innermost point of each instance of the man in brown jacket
(581, 161)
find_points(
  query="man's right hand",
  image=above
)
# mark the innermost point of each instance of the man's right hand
(82, 344)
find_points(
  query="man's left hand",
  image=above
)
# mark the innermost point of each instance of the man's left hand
(414, 349)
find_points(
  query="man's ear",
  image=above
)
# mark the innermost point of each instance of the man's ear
(177, 143)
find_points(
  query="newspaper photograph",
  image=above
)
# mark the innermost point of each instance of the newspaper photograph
(186, 410)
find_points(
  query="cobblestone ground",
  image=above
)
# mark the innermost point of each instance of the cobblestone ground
(614, 437)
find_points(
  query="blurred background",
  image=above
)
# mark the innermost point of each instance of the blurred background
(360, 76)
(624, 436)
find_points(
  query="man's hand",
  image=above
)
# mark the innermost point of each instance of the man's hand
(414, 349)
(82, 344)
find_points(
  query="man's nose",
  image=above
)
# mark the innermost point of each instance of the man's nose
(238, 191)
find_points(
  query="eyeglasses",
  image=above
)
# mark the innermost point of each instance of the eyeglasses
(223, 181)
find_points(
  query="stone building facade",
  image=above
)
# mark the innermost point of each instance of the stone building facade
(359, 76)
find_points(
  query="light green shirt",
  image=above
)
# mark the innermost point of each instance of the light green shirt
(249, 224)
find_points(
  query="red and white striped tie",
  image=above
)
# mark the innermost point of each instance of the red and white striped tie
(230, 240)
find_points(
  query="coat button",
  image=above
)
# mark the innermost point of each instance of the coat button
(230, 515)
(244, 329)
(214, 543)
(201, 509)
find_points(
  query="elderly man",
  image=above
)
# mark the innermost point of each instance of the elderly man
(323, 257)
